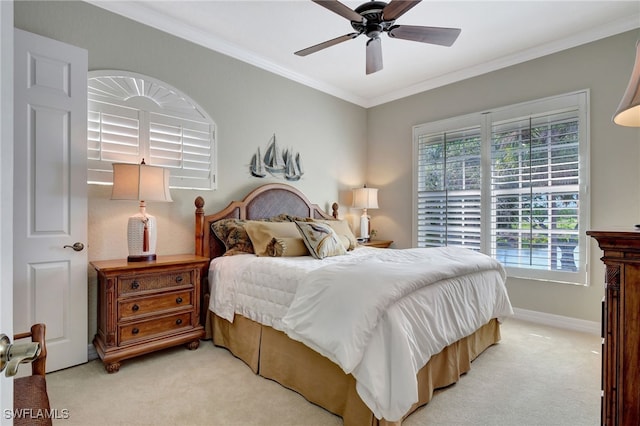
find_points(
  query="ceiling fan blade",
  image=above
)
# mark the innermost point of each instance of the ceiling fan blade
(339, 8)
(325, 44)
(433, 35)
(397, 8)
(374, 55)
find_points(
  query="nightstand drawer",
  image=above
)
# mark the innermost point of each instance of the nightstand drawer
(140, 283)
(131, 308)
(153, 327)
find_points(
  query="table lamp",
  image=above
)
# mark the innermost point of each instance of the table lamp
(142, 183)
(365, 198)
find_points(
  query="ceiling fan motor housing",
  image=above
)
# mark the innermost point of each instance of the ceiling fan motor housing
(373, 23)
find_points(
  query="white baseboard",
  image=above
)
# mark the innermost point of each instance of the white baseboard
(591, 327)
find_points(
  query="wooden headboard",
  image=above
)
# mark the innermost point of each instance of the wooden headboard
(263, 202)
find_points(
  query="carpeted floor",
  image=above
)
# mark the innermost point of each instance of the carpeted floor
(537, 375)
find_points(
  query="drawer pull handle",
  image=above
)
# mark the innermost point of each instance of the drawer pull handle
(135, 308)
(179, 300)
(135, 331)
(178, 321)
(135, 285)
(179, 279)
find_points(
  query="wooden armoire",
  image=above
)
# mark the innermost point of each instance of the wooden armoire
(620, 327)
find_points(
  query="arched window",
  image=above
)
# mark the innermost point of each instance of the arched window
(133, 117)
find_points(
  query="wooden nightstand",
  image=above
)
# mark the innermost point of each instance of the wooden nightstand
(147, 306)
(378, 243)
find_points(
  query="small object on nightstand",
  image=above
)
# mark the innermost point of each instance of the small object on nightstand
(377, 243)
(147, 306)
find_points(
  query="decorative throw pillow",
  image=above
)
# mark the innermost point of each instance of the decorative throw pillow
(233, 235)
(235, 238)
(342, 229)
(286, 247)
(320, 239)
(261, 233)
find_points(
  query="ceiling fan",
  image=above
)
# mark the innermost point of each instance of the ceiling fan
(375, 17)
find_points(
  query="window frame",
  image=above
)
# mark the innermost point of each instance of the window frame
(579, 101)
(151, 104)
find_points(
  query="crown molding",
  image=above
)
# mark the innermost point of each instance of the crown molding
(137, 11)
(617, 27)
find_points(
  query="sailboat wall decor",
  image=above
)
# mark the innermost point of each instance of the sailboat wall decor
(283, 164)
(257, 165)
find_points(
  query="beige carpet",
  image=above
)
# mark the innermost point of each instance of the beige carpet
(537, 375)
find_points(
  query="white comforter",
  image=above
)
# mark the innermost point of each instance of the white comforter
(379, 314)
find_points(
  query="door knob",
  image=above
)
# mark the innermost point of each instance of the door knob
(11, 355)
(76, 246)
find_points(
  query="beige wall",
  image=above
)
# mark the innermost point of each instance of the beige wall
(603, 67)
(249, 105)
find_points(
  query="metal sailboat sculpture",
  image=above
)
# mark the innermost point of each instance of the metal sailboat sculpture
(273, 161)
(281, 164)
(293, 166)
(257, 166)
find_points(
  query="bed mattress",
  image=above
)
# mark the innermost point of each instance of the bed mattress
(398, 322)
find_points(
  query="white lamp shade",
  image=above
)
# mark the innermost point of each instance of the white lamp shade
(140, 182)
(628, 112)
(365, 198)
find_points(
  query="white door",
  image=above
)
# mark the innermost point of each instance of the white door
(6, 191)
(50, 195)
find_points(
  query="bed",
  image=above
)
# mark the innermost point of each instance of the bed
(348, 377)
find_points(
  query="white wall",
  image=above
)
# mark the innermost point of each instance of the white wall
(603, 67)
(247, 104)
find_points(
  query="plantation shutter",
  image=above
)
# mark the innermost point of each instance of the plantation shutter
(184, 146)
(132, 117)
(535, 177)
(510, 182)
(113, 137)
(449, 185)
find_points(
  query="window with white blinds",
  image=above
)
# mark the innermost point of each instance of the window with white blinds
(449, 189)
(133, 117)
(514, 186)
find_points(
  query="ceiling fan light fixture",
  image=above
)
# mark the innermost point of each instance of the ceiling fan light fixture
(374, 55)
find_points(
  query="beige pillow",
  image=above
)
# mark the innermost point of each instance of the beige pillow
(286, 247)
(233, 235)
(342, 229)
(261, 233)
(321, 240)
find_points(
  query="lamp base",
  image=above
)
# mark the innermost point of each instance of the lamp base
(139, 249)
(143, 258)
(364, 226)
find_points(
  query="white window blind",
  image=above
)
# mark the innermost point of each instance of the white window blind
(535, 192)
(514, 186)
(449, 189)
(134, 117)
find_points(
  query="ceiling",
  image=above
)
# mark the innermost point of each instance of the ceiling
(495, 34)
